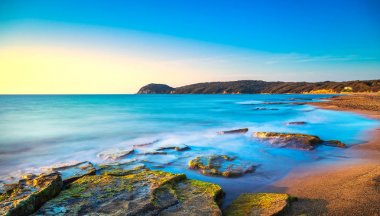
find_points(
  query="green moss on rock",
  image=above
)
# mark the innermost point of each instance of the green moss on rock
(221, 165)
(262, 204)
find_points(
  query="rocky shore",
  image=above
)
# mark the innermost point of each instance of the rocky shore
(124, 185)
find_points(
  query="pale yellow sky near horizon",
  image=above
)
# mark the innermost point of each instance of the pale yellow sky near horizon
(109, 61)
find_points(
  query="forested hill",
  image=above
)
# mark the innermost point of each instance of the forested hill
(258, 86)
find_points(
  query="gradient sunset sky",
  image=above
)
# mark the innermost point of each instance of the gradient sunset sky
(49, 46)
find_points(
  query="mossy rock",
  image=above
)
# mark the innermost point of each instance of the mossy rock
(29, 194)
(143, 192)
(290, 140)
(259, 204)
(221, 165)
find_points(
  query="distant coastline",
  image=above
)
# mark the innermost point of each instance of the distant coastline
(263, 87)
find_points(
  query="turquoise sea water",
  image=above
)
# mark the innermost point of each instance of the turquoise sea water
(39, 131)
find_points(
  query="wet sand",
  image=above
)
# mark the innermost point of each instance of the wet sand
(347, 188)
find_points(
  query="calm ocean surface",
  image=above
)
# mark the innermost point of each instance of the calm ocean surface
(39, 131)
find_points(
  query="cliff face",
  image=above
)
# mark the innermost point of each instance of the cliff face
(156, 89)
(258, 86)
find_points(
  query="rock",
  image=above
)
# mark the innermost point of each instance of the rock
(121, 168)
(335, 143)
(114, 154)
(243, 130)
(258, 204)
(153, 153)
(73, 172)
(144, 144)
(144, 192)
(180, 147)
(221, 165)
(262, 108)
(290, 140)
(25, 197)
(296, 123)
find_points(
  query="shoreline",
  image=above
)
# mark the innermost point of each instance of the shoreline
(344, 188)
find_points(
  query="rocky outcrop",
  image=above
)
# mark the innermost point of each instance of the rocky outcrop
(156, 89)
(294, 140)
(29, 194)
(140, 192)
(221, 165)
(259, 204)
(237, 131)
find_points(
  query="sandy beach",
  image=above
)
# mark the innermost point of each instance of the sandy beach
(344, 189)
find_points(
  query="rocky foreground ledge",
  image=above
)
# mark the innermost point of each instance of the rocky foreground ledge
(137, 191)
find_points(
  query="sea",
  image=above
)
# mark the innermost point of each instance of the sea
(39, 131)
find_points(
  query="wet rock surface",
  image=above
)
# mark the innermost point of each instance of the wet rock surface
(114, 154)
(72, 172)
(140, 192)
(259, 204)
(335, 143)
(237, 131)
(294, 140)
(26, 196)
(221, 165)
(180, 147)
(290, 140)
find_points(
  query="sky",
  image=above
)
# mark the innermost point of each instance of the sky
(64, 47)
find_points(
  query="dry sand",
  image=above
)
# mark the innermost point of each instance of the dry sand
(345, 189)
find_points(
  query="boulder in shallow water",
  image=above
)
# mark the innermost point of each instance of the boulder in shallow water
(335, 143)
(259, 204)
(237, 131)
(221, 165)
(290, 140)
(114, 154)
(144, 192)
(72, 172)
(29, 194)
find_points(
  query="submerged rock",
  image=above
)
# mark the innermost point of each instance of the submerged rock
(296, 123)
(221, 165)
(258, 204)
(262, 108)
(179, 147)
(145, 144)
(114, 154)
(29, 194)
(144, 192)
(290, 140)
(335, 143)
(72, 172)
(242, 130)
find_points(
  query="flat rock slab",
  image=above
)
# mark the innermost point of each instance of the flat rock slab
(258, 204)
(237, 131)
(221, 165)
(114, 154)
(179, 147)
(26, 196)
(145, 192)
(72, 172)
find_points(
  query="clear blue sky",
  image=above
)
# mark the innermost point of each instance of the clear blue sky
(343, 30)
